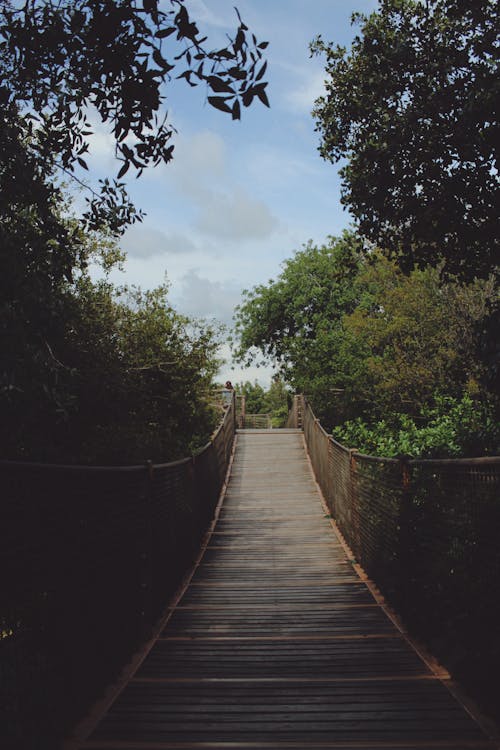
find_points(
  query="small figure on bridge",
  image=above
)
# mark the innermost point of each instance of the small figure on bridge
(227, 394)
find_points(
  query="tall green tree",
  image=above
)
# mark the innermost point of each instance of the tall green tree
(274, 401)
(296, 320)
(362, 339)
(255, 397)
(412, 108)
(411, 337)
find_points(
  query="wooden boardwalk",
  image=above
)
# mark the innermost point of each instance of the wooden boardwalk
(277, 643)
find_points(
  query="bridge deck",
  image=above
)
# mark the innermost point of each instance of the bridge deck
(277, 643)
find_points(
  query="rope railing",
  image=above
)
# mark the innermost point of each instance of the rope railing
(89, 558)
(427, 533)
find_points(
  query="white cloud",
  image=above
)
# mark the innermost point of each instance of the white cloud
(199, 12)
(203, 298)
(234, 372)
(301, 98)
(277, 167)
(224, 209)
(201, 156)
(234, 216)
(147, 242)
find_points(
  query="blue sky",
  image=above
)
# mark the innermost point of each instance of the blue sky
(239, 197)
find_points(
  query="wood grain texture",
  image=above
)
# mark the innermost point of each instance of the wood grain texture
(277, 643)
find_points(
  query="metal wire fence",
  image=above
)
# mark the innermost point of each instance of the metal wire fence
(428, 533)
(89, 557)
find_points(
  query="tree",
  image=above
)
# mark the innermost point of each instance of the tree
(412, 109)
(255, 397)
(274, 401)
(362, 339)
(295, 321)
(61, 60)
(410, 338)
(130, 378)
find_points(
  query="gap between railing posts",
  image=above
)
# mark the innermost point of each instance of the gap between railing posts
(89, 557)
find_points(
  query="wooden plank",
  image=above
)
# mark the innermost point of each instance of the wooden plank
(277, 643)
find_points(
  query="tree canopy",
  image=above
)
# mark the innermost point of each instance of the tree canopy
(364, 340)
(121, 379)
(62, 63)
(412, 109)
(89, 372)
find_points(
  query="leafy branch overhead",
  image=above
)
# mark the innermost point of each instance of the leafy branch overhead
(59, 60)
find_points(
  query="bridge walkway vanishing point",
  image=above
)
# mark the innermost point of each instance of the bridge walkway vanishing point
(277, 642)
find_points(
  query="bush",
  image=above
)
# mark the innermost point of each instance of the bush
(450, 428)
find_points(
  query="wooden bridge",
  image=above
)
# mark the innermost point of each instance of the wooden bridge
(277, 642)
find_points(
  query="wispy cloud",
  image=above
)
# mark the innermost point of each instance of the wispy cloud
(203, 298)
(234, 216)
(301, 98)
(146, 242)
(223, 208)
(199, 10)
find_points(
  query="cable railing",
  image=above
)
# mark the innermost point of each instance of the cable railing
(256, 422)
(89, 558)
(427, 533)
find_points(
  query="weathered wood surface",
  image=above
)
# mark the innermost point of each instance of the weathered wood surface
(277, 643)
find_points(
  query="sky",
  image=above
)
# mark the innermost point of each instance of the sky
(239, 197)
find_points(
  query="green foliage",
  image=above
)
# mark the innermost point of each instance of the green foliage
(295, 321)
(58, 62)
(278, 398)
(412, 108)
(274, 401)
(452, 428)
(255, 397)
(83, 375)
(410, 337)
(131, 377)
(362, 339)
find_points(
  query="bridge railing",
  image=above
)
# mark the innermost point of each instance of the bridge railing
(89, 557)
(256, 422)
(428, 533)
(294, 419)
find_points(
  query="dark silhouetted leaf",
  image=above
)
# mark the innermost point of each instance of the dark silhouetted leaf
(219, 102)
(261, 72)
(219, 86)
(236, 113)
(162, 33)
(247, 98)
(123, 170)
